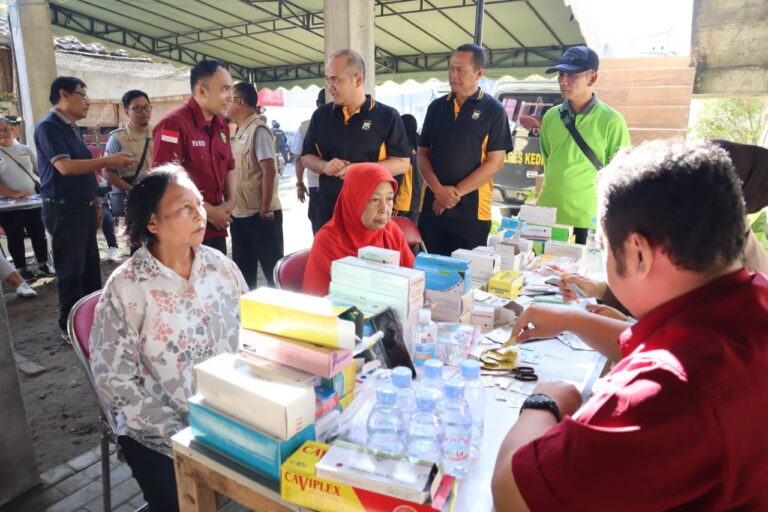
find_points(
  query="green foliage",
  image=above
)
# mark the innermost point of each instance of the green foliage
(733, 119)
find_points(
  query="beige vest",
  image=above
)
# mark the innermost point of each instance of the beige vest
(247, 170)
(133, 142)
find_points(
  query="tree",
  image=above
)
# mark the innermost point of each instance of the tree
(733, 119)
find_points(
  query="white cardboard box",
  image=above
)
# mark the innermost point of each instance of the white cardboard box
(399, 282)
(451, 303)
(276, 405)
(481, 263)
(543, 215)
(379, 255)
(555, 248)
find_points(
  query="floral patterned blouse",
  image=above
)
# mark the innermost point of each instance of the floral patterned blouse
(151, 326)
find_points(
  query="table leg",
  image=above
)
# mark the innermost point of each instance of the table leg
(194, 494)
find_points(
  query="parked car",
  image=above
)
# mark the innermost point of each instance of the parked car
(525, 101)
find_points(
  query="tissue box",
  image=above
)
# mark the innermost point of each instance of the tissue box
(273, 404)
(241, 443)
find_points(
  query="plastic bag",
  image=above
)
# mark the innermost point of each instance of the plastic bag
(455, 341)
(352, 425)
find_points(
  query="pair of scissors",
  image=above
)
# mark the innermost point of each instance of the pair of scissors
(522, 373)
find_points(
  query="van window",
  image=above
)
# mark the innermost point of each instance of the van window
(524, 111)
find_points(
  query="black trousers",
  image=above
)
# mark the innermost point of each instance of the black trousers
(155, 474)
(580, 235)
(73, 234)
(257, 241)
(443, 235)
(312, 209)
(219, 243)
(324, 209)
(14, 223)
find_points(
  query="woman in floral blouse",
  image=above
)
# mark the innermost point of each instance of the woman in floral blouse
(174, 303)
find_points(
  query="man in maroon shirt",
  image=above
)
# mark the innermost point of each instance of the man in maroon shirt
(196, 136)
(679, 423)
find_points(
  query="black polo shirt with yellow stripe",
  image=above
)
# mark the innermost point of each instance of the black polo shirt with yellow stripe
(459, 139)
(372, 133)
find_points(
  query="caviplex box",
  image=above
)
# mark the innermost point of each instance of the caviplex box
(241, 443)
(269, 402)
(297, 316)
(300, 485)
(401, 283)
(315, 359)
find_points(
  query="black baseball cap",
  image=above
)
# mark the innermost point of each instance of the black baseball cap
(577, 59)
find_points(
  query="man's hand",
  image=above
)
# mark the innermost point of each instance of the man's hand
(540, 321)
(18, 195)
(334, 167)
(219, 216)
(121, 159)
(590, 287)
(607, 311)
(267, 215)
(438, 208)
(566, 396)
(448, 196)
(301, 191)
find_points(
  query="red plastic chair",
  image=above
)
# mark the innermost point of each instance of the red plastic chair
(412, 234)
(79, 326)
(289, 271)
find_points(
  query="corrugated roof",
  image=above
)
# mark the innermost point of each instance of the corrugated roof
(280, 42)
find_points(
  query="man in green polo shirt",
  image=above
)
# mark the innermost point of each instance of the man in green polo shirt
(569, 175)
(462, 147)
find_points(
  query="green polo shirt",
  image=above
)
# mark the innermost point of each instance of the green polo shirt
(569, 177)
(459, 139)
(373, 133)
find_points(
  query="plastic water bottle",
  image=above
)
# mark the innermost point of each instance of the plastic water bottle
(474, 394)
(423, 338)
(433, 377)
(457, 419)
(406, 398)
(386, 431)
(425, 430)
(593, 260)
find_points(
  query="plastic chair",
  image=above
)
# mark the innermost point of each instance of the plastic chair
(289, 271)
(79, 326)
(412, 234)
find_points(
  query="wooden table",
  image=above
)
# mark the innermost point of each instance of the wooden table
(202, 473)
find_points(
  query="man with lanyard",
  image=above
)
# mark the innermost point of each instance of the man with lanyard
(257, 226)
(71, 208)
(136, 138)
(463, 143)
(310, 189)
(569, 172)
(353, 128)
(196, 136)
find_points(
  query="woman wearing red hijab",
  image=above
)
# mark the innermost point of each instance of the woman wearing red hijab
(362, 217)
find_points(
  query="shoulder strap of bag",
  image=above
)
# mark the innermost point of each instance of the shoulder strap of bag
(565, 116)
(143, 156)
(30, 174)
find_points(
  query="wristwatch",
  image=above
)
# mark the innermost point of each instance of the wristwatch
(541, 401)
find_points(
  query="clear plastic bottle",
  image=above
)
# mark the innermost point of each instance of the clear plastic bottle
(425, 430)
(406, 397)
(593, 259)
(457, 420)
(423, 338)
(474, 394)
(386, 431)
(433, 377)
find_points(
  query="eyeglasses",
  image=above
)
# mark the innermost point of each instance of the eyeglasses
(80, 93)
(141, 108)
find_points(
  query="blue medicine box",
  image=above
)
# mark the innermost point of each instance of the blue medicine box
(444, 274)
(240, 442)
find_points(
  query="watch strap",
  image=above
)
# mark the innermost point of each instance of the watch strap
(542, 402)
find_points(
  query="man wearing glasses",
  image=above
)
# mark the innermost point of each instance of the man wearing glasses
(136, 139)
(71, 208)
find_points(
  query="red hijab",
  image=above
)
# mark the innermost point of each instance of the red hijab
(345, 233)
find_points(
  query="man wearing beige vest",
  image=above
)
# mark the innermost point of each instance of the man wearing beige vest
(257, 225)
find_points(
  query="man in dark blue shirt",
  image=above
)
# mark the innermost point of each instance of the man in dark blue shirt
(71, 208)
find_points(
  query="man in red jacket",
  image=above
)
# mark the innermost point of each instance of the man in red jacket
(679, 422)
(197, 136)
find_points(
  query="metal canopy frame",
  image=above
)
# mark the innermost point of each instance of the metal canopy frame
(244, 42)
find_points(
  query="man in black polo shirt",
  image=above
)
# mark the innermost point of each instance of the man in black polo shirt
(462, 147)
(353, 128)
(71, 207)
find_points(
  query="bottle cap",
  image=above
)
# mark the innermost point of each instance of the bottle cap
(426, 400)
(433, 369)
(402, 377)
(425, 316)
(454, 389)
(386, 395)
(470, 368)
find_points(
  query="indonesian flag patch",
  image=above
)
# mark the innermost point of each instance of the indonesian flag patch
(169, 136)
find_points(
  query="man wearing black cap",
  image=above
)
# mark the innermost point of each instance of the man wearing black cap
(570, 168)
